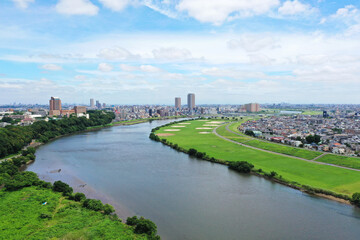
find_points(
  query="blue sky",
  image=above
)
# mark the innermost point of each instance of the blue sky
(150, 51)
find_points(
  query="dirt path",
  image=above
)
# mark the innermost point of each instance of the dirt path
(280, 154)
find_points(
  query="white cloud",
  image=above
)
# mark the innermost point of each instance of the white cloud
(216, 11)
(252, 43)
(105, 67)
(80, 77)
(76, 7)
(348, 12)
(142, 68)
(115, 5)
(350, 15)
(51, 67)
(128, 68)
(295, 7)
(149, 69)
(116, 53)
(171, 53)
(23, 3)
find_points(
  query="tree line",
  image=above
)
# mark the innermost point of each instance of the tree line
(14, 138)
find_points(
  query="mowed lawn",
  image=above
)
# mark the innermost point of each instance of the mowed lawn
(320, 176)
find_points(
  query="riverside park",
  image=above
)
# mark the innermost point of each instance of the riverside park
(222, 140)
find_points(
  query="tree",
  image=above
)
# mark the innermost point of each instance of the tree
(60, 186)
(356, 199)
(23, 179)
(313, 139)
(192, 152)
(108, 209)
(7, 119)
(273, 174)
(145, 226)
(79, 197)
(93, 204)
(243, 166)
(200, 155)
(132, 221)
(250, 133)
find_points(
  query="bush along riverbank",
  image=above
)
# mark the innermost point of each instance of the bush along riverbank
(61, 204)
(248, 168)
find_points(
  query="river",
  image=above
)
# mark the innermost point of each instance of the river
(187, 198)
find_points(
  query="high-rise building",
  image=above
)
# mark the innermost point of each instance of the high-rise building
(80, 109)
(252, 107)
(177, 103)
(98, 104)
(191, 101)
(92, 104)
(55, 106)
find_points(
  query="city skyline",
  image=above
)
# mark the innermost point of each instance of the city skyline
(268, 51)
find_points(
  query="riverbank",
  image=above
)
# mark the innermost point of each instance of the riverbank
(305, 176)
(93, 216)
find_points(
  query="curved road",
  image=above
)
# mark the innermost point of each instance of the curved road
(281, 154)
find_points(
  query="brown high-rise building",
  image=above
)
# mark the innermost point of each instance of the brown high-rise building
(177, 103)
(55, 106)
(80, 109)
(252, 107)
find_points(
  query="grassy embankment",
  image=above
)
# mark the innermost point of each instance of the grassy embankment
(279, 148)
(21, 213)
(351, 162)
(295, 171)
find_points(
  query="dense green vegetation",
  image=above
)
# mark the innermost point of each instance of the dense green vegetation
(345, 161)
(297, 172)
(25, 216)
(33, 209)
(14, 138)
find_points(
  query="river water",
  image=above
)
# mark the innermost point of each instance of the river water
(187, 198)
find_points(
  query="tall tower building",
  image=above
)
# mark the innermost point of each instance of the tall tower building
(92, 104)
(191, 101)
(55, 106)
(98, 104)
(177, 103)
(252, 107)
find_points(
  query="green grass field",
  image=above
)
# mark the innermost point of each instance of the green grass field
(315, 175)
(20, 218)
(310, 112)
(345, 161)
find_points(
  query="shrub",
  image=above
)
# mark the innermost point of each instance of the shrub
(23, 179)
(145, 226)
(60, 186)
(79, 197)
(132, 221)
(93, 204)
(243, 166)
(192, 152)
(273, 174)
(108, 209)
(356, 199)
(200, 155)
